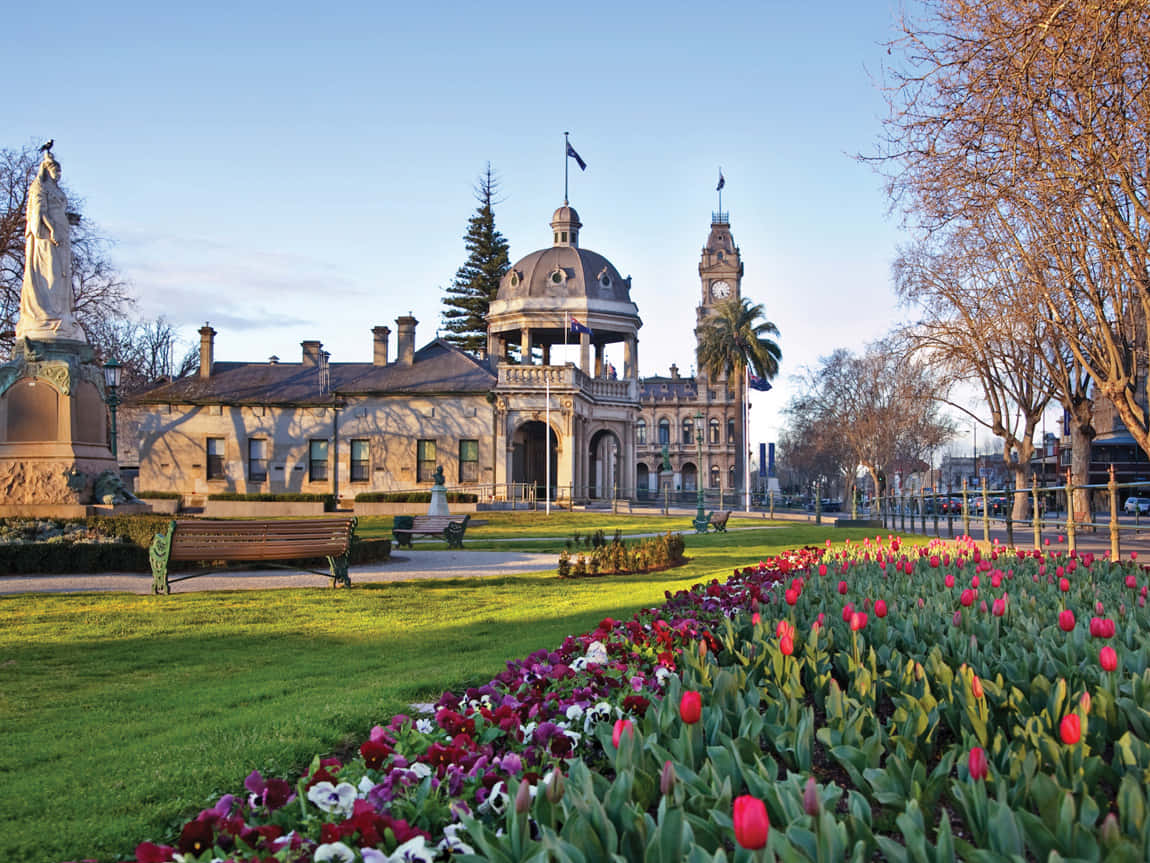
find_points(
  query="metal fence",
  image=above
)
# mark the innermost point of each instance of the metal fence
(940, 512)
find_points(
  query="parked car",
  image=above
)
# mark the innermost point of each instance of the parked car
(1137, 506)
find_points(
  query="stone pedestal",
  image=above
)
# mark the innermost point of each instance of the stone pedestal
(54, 431)
(438, 505)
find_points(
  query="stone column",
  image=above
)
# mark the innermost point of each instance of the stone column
(630, 357)
(600, 369)
(525, 346)
(547, 354)
(493, 345)
(585, 353)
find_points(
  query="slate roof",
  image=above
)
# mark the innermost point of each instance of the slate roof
(662, 389)
(438, 368)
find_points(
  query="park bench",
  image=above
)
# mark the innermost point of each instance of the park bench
(216, 542)
(450, 527)
(718, 520)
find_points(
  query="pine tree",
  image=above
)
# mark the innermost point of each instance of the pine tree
(477, 282)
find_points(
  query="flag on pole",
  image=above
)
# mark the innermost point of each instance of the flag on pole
(577, 326)
(722, 181)
(757, 383)
(571, 154)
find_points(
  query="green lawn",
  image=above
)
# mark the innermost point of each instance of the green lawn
(122, 715)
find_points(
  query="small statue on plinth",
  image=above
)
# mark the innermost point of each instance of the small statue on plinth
(438, 505)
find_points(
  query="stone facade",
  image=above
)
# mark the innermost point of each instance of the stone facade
(344, 428)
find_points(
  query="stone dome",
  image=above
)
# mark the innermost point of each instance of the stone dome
(565, 272)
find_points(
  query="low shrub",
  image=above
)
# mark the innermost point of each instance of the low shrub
(328, 500)
(618, 558)
(158, 495)
(412, 497)
(55, 558)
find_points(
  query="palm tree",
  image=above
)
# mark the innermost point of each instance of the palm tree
(734, 337)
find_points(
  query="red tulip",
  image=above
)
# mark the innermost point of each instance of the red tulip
(752, 825)
(822, 569)
(858, 620)
(1064, 584)
(976, 687)
(1070, 729)
(1066, 620)
(787, 645)
(791, 596)
(848, 610)
(690, 707)
(1107, 658)
(949, 580)
(811, 802)
(622, 726)
(1131, 582)
(756, 618)
(967, 597)
(843, 588)
(785, 627)
(977, 763)
(880, 608)
(999, 607)
(975, 581)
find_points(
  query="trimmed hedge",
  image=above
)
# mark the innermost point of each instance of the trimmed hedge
(413, 497)
(158, 495)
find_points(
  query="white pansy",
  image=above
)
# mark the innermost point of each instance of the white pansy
(496, 801)
(333, 799)
(578, 664)
(334, 852)
(452, 842)
(661, 674)
(414, 850)
(372, 855)
(424, 726)
(574, 712)
(528, 730)
(601, 712)
(365, 786)
(596, 653)
(421, 770)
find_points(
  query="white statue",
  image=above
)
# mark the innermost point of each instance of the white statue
(46, 302)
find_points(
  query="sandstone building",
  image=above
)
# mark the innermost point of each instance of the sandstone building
(330, 427)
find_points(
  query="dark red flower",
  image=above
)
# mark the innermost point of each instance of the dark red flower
(1070, 729)
(1108, 658)
(1066, 620)
(967, 597)
(147, 852)
(196, 837)
(374, 753)
(622, 726)
(977, 763)
(880, 608)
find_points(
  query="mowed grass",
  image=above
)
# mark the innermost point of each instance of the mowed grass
(123, 715)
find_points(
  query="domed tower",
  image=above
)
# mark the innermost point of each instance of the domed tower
(559, 296)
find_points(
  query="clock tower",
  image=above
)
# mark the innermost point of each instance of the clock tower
(720, 270)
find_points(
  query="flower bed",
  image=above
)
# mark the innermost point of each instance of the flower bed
(863, 703)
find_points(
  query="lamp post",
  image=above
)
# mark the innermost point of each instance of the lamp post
(700, 516)
(112, 371)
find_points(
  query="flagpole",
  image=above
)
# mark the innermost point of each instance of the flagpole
(566, 144)
(720, 189)
(746, 439)
(547, 448)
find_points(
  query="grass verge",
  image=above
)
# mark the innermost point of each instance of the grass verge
(123, 715)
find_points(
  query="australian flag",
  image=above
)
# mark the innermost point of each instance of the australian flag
(571, 154)
(722, 181)
(757, 383)
(577, 326)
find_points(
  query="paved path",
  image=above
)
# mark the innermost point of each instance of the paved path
(403, 566)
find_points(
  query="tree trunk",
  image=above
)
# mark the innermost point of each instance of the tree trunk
(1022, 494)
(1080, 440)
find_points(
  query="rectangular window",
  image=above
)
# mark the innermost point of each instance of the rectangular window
(215, 453)
(469, 461)
(257, 459)
(317, 461)
(360, 460)
(425, 461)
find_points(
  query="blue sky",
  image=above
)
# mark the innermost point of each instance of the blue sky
(297, 171)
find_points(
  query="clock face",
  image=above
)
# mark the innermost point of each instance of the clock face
(720, 290)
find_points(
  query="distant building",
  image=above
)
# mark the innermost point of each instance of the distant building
(319, 426)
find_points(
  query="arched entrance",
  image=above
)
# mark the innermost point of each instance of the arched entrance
(642, 481)
(603, 464)
(528, 453)
(690, 477)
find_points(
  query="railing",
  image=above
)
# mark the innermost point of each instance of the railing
(1045, 507)
(568, 377)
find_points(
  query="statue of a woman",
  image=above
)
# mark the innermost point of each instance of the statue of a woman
(46, 302)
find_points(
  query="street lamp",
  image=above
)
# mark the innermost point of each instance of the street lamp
(700, 516)
(112, 371)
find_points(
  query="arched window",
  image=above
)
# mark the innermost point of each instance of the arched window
(714, 425)
(731, 477)
(641, 431)
(688, 430)
(714, 476)
(731, 431)
(664, 431)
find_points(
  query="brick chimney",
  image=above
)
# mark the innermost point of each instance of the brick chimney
(379, 337)
(207, 350)
(311, 351)
(405, 340)
(674, 372)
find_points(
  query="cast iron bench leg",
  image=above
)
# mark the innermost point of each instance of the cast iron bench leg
(453, 533)
(158, 554)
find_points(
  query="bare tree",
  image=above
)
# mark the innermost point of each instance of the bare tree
(1035, 117)
(882, 407)
(975, 332)
(100, 293)
(148, 350)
